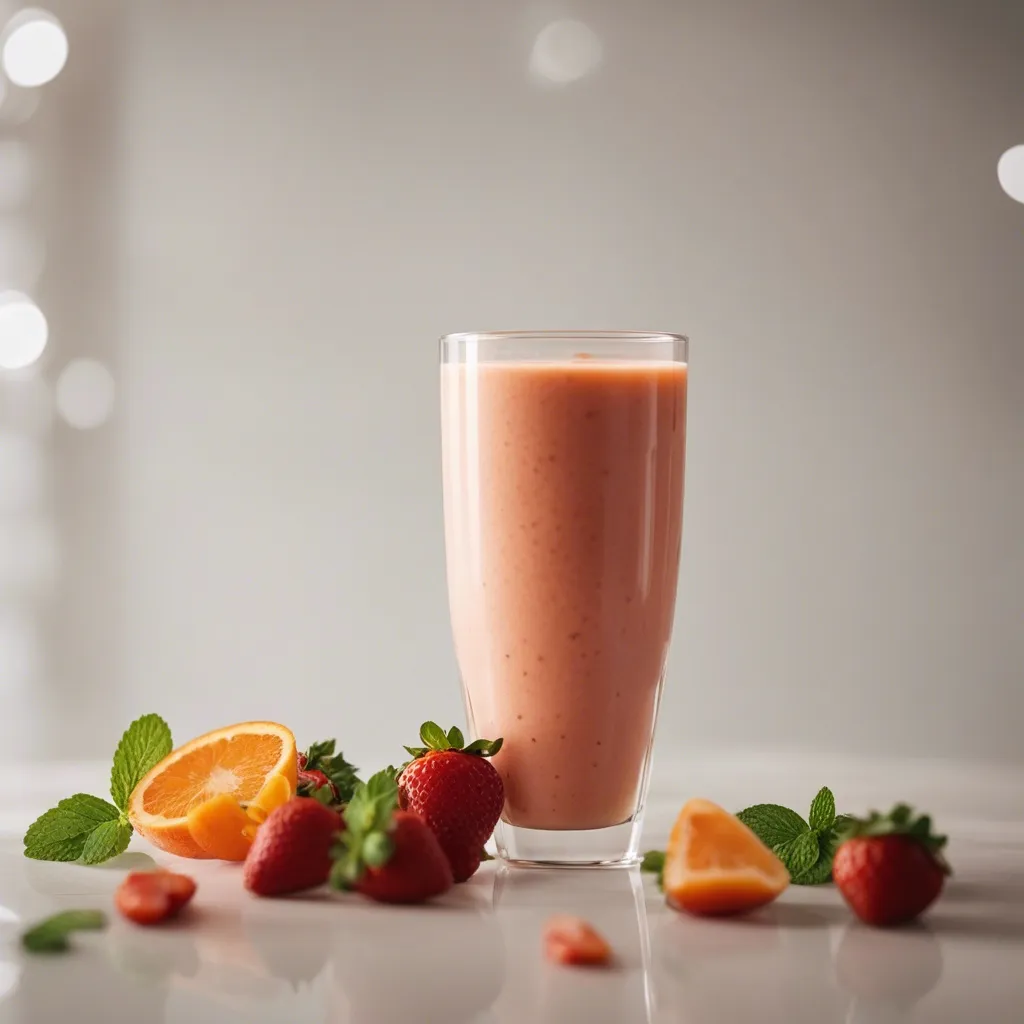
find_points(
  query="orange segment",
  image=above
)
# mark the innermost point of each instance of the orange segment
(714, 864)
(221, 828)
(238, 762)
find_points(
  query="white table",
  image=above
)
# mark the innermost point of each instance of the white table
(475, 955)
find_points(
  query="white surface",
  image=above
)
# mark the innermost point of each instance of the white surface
(260, 216)
(475, 955)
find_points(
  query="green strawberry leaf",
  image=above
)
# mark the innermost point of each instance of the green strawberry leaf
(433, 736)
(456, 741)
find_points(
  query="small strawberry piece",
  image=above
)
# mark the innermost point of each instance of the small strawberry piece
(389, 855)
(292, 849)
(456, 791)
(890, 868)
(149, 897)
(573, 941)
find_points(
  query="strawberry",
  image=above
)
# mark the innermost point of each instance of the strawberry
(389, 855)
(456, 791)
(319, 767)
(292, 849)
(573, 941)
(890, 868)
(149, 897)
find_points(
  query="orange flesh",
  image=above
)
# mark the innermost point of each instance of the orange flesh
(715, 864)
(200, 774)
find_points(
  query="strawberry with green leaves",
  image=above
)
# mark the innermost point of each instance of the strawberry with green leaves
(890, 867)
(325, 775)
(387, 854)
(457, 791)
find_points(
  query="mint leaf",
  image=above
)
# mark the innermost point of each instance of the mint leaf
(773, 824)
(654, 863)
(145, 743)
(63, 831)
(821, 872)
(800, 854)
(823, 810)
(105, 841)
(51, 935)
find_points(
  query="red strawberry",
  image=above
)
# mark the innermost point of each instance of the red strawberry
(573, 941)
(292, 849)
(456, 791)
(389, 855)
(149, 897)
(890, 868)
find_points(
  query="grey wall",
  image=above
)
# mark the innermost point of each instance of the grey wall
(301, 197)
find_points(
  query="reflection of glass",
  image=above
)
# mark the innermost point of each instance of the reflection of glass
(443, 964)
(563, 458)
(725, 970)
(886, 973)
(536, 991)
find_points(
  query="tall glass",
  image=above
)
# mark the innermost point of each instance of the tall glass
(563, 456)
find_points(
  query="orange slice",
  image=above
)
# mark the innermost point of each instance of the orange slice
(251, 763)
(714, 864)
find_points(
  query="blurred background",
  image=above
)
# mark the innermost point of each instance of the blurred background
(231, 233)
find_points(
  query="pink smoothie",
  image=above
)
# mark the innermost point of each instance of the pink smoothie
(563, 490)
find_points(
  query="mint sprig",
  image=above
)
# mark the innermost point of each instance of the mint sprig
(88, 829)
(807, 849)
(654, 864)
(51, 934)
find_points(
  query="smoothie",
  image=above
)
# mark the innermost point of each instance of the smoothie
(563, 490)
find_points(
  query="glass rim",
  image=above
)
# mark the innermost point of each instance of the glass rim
(632, 337)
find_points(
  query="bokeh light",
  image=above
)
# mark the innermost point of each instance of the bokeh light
(16, 173)
(565, 51)
(1010, 171)
(35, 48)
(85, 393)
(23, 331)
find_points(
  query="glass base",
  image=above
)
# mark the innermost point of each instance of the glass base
(614, 847)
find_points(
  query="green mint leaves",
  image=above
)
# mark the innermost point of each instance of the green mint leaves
(146, 742)
(806, 849)
(87, 829)
(433, 737)
(51, 935)
(654, 863)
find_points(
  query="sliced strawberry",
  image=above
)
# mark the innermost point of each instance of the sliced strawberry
(149, 897)
(573, 941)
